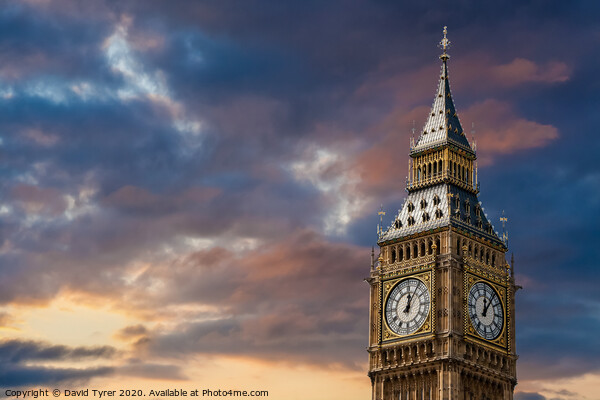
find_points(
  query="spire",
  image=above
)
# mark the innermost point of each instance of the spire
(442, 183)
(442, 126)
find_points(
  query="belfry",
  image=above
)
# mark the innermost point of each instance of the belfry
(441, 292)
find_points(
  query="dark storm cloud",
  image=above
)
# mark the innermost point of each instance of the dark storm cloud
(36, 44)
(528, 396)
(16, 351)
(16, 358)
(11, 376)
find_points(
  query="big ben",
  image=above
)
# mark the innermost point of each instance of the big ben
(441, 292)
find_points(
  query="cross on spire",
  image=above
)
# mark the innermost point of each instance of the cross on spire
(444, 44)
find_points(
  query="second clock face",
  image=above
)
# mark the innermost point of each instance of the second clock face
(485, 309)
(407, 306)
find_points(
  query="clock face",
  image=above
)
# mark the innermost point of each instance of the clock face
(485, 309)
(407, 306)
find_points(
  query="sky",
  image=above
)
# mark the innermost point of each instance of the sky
(189, 190)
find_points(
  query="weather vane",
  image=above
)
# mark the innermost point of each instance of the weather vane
(444, 44)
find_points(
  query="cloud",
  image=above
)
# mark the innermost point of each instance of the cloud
(521, 71)
(17, 351)
(471, 76)
(132, 332)
(154, 372)
(528, 396)
(325, 171)
(131, 199)
(35, 200)
(14, 376)
(18, 360)
(312, 312)
(501, 131)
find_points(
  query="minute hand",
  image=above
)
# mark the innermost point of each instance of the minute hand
(485, 308)
(408, 301)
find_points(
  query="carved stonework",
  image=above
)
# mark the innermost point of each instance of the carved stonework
(442, 295)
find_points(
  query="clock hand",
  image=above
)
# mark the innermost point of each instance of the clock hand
(407, 309)
(485, 307)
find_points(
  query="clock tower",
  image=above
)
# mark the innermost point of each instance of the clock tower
(441, 292)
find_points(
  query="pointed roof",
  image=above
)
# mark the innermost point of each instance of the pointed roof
(441, 202)
(431, 208)
(442, 126)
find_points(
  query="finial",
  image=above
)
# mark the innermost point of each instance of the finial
(444, 44)
(473, 142)
(381, 213)
(503, 219)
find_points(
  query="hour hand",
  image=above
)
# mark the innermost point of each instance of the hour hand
(407, 309)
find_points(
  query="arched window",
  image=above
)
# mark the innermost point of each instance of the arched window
(425, 217)
(408, 253)
(436, 200)
(393, 258)
(422, 248)
(430, 247)
(400, 254)
(411, 221)
(423, 203)
(398, 224)
(438, 247)
(410, 207)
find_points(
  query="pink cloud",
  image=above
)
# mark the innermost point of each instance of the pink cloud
(35, 200)
(501, 131)
(136, 198)
(40, 137)
(471, 73)
(521, 70)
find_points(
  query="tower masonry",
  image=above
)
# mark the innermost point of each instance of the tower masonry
(441, 292)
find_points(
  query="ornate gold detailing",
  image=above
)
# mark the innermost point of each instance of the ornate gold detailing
(444, 44)
(409, 263)
(428, 278)
(484, 269)
(471, 277)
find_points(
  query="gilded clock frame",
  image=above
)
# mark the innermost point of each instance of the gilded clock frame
(427, 277)
(471, 277)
